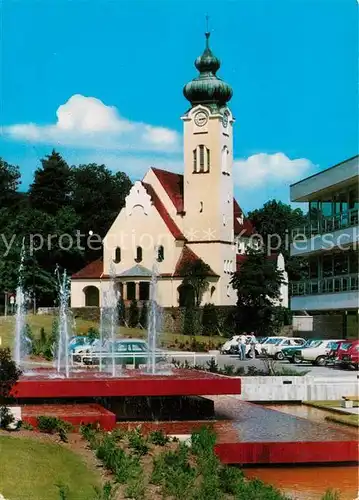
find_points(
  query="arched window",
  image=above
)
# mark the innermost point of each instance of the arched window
(201, 159)
(138, 254)
(117, 258)
(92, 296)
(201, 206)
(160, 253)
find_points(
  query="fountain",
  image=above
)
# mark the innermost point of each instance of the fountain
(109, 322)
(21, 349)
(62, 358)
(153, 322)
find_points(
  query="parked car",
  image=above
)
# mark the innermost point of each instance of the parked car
(348, 353)
(126, 352)
(274, 347)
(78, 341)
(265, 346)
(332, 356)
(86, 348)
(317, 353)
(290, 352)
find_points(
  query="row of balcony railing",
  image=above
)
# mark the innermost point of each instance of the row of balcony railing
(329, 224)
(333, 284)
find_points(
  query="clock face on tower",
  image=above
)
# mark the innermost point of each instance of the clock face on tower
(201, 118)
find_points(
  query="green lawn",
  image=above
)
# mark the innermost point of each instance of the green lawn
(31, 469)
(7, 327)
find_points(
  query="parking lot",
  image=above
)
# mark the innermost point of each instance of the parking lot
(228, 359)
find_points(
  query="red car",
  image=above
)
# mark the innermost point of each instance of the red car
(348, 353)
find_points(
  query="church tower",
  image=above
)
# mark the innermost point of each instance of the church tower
(208, 161)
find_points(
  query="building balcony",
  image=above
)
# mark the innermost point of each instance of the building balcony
(329, 224)
(335, 292)
(337, 231)
(333, 284)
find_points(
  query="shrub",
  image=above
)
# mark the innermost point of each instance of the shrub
(136, 487)
(137, 442)
(107, 492)
(158, 438)
(51, 425)
(144, 315)
(6, 418)
(189, 321)
(9, 372)
(228, 370)
(174, 473)
(43, 345)
(133, 314)
(209, 319)
(212, 366)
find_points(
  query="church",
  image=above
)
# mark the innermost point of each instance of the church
(170, 220)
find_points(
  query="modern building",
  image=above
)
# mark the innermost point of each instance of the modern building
(329, 243)
(170, 219)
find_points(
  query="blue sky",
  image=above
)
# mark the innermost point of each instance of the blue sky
(117, 68)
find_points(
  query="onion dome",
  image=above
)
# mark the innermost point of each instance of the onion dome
(207, 88)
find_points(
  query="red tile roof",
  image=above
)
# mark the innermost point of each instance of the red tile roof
(91, 271)
(170, 223)
(187, 256)
(173, 185)
(247, 227)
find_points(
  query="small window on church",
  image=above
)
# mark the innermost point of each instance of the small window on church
(117, 258)
(224, 220)
(201, 206)
(201, 158)
(160, 253)
(138, 254)
(228, 291)
(194, 160)
(208, 159)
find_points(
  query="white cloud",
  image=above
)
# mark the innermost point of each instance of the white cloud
(86, 122)
(134, 165)
(264, 169)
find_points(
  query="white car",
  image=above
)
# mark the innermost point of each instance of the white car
(275, 345)
(263, 346)
(231, 345)
(317, 353)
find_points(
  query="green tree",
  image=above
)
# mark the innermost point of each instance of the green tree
(196, 274)
(51, 189)
(9, 183)
(258, 288)
(96, 186)
(275, 222)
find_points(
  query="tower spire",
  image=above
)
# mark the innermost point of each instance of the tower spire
(207, 88)
(207, 33)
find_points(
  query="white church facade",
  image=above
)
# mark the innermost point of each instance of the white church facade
(170, 219)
